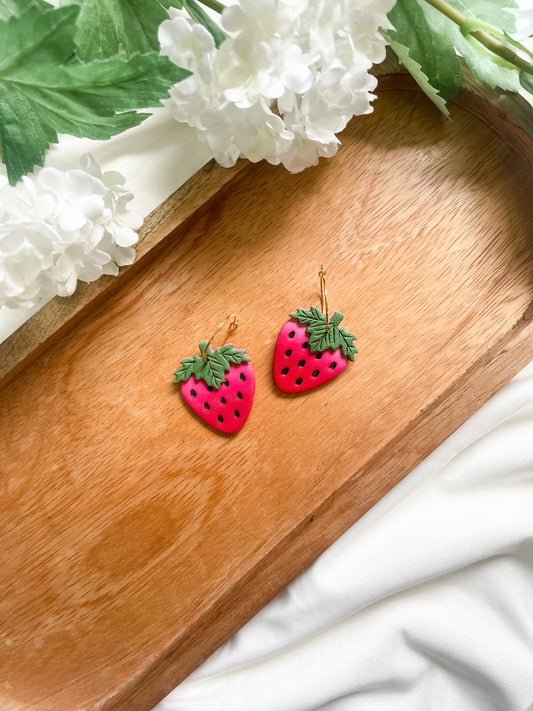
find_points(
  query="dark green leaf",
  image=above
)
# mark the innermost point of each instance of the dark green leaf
(198, 14)
(234, 356)
(213, 369)
(432, 42)
(10, 8)
(105, 28)
(336, 318)
(425, 32)
(44, 93)
(335, 337)
(347, 343)
(312, 317)
(526, 80)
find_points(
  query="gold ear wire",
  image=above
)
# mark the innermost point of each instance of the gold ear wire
(233, 325)
(324, 294)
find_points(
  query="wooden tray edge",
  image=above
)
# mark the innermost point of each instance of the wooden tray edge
(488, 104)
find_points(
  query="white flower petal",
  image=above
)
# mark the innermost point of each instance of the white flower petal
(307, 60)
(56, 228)
(71, 219)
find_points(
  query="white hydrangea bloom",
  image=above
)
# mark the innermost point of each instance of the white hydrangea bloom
(287, 79)
(58, 227)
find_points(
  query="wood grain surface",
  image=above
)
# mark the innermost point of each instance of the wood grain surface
(134, 539)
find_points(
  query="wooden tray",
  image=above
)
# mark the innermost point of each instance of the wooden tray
(134, 539)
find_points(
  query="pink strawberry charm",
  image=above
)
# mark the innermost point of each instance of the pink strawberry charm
(218, 385)
(311, 350)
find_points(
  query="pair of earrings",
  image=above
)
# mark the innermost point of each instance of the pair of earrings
(311, 350)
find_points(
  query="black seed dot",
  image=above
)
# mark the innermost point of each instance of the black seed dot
(193, 393)
(301, 364)
(305, 345)
(209, 389)
(237, 413)
(299, 381)
(318, 355)
(315, 373)
(206, 405)
(242, 376)
(220, 418)
(226, 383)
(292, 334)
(223, 400)
(287, 353)
(332, 366)
(284, 371)
(239, 395)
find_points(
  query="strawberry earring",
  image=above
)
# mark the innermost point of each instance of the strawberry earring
(219, 385)
(312, 348)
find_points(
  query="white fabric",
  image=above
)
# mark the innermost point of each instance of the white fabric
(425, 604)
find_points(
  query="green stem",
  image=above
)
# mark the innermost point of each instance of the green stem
(213, 5)
(487, 40)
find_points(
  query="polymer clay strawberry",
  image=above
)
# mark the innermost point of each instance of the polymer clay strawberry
(218, 385)
(311, 350)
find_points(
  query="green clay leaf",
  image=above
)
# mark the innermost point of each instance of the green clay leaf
(235, 356)
(185, 372)
(45, 92)
(311, 317)
(213, 369)
(336, 319)
(321, 338)
(347, 343)
(203, 345)
(335, 337)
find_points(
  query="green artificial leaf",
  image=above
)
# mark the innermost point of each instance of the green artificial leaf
(416, 72)
(324, 335)
(432, 42)
(43, 93)
(486, 67)
(526, 80)
(213, 369)
(494, 12)
(424, 31)
(105, 28)
(198, 14)
(10, 8)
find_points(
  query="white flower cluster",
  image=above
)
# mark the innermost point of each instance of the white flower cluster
(287, 79)
(60, 226)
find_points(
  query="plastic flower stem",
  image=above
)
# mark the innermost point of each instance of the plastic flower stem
(487, 38)
(213, 5)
